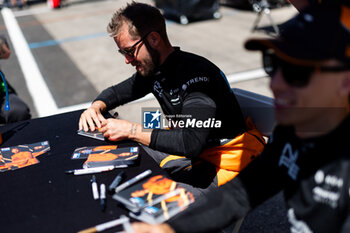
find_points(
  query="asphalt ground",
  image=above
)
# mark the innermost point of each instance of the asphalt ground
(75, 59)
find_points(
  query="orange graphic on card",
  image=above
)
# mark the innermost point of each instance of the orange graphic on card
(158, 185)
(106, 147)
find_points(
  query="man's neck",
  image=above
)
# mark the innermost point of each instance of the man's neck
(322, 125)
(165, 54)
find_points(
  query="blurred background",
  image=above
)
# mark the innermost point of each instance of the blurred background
(62, 56)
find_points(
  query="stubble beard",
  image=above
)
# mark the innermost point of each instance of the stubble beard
(150, 64)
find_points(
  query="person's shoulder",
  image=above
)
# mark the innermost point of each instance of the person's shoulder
(193, 57)
(197, 65)
(281, 133)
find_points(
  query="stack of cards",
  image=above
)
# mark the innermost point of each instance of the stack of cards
(12, 158)
(154, 200)
(92, 134)
(108, 155)
(84, 152)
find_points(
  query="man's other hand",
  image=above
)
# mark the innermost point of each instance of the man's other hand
(92, 117)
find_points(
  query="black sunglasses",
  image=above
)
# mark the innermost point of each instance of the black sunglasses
(131, 51)
(295, 75)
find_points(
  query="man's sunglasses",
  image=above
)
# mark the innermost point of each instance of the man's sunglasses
(295, 75)
(130, 52)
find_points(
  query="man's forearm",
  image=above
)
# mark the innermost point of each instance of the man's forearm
(137, 134)
(214, 211)
(99, 105)
(233, 200)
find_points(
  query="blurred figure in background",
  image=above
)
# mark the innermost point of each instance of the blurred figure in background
(14, 3)
(18, 109)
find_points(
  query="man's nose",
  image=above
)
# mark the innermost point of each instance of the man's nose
(129, 59)
(277, 81)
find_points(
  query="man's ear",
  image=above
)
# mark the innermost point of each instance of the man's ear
(154, 39)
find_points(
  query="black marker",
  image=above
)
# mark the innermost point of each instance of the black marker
(116, 181)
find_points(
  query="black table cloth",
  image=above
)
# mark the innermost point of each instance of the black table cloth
(41, 197)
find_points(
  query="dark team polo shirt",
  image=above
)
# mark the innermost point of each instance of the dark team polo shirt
(314, 175)
(189, 86)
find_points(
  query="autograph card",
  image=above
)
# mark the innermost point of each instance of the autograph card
(92, 134)
(84, 152)
(150, 200)
(117, 157)
(12, 158)
(39, 148)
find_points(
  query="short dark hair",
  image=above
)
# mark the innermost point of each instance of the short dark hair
(141, 19)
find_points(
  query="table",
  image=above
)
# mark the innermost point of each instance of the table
(41, 197)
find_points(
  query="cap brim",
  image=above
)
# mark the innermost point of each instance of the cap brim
(294, 54)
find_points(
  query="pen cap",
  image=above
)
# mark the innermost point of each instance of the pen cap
(94, 188)
(103, 191)
(116, 181)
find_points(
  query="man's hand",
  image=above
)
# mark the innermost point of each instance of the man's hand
(92, 117)
(116, 130)
(139, 227)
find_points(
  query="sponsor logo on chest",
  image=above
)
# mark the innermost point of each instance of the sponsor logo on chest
(195, 80)
(327, 189)
(157, 87)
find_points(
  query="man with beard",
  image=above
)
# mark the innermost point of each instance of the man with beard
(184, 84)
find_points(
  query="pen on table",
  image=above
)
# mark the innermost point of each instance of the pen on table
(105, 226)
(116, 181)
(126, 225)
(103, 196)
(133, 180)
(94, 187)
(91, 170)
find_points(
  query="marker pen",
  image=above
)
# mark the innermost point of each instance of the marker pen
(103, 197)
(107, 225)
(126, 225)
(116, 181)
(94, 187)
(91, 170)
(133, 180)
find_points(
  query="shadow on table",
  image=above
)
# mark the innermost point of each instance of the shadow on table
(13, 130)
